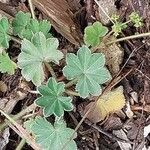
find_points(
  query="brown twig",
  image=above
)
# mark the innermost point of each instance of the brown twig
(20, 131)
(17, 116)
(111, 136)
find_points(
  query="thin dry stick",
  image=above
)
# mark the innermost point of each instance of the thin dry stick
(129, 37)
(119, 79)
(50, 69)
(72, 82)
(21, 144)
(79, 124)
(96, 1)
(108, 134)
(24, 134)
(17, 116)
(136, 49)
(143, 74)
(31, 8)
(69, 92)
(15, 39)
(21, 131)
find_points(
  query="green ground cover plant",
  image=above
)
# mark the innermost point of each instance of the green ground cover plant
(85, 70)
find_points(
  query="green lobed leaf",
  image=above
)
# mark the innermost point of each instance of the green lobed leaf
(25, 27)
(44, 26)
(20, 22)
(28, 124)
(6, 64)
(27, 34)
(93, 34)
(52, 99)
(34, 54)
(34, 25)
(39, 26)
(4, 37)
(88, 69)
(52, 137)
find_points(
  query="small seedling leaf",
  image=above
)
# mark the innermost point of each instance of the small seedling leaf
(118, 27)
(52, 137)
(52, 99)
(88, 69)
(35, 53)
(93, 34)
(6, 64)
(136, 19)
(4, 37)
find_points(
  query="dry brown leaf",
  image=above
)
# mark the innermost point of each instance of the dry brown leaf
(128, 110)
(114, 56)
(3, 87)
(4, 138)
(121, 134)
(108, 103)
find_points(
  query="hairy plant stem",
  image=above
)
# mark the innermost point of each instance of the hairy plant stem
(129, 37)
(15, 39)
(19, 115)
(21, 144)
(69, 92)
(72, 82)
(31, 8)
(50, 69)
(126, 22)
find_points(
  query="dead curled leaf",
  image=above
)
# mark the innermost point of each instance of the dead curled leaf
(114, 56)
(110, 102)
(3, 87)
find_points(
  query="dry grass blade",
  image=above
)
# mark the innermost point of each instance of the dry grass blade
(21, 131)
(16, 117)
(31, 8)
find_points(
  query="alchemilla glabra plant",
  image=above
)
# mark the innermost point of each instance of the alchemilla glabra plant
(85, 70)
